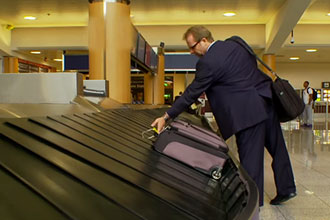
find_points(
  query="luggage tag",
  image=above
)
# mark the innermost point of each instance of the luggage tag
(152, 133)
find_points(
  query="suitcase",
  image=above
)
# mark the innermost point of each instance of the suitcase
(193, 146)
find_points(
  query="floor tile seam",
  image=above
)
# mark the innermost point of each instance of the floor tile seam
(328, 205)
(316, 196)
(282, 214)
(314, 170)
(278, 210)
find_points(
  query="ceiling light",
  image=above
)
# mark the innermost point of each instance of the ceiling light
(311, 50)
(58, 60)
(35, 52)
(294, 58)
(30, 18)
(328, 14)
(229, 14)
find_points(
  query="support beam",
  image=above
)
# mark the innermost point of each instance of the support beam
(118, 60)
(10, 65)
(96, 40)
(280, 26)
(159, 80)
(270, 60)
(148, 89)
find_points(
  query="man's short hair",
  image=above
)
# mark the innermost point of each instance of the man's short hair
(198, 32)
(306, 82)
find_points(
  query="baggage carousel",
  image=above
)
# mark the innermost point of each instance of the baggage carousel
(96, 165)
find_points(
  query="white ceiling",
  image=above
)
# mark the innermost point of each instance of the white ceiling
(169, 12)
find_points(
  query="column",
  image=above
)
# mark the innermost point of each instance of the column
(270, 60)
(118, 61)
(148, 89)
(96, 40)
(10, 65)
(159, 89)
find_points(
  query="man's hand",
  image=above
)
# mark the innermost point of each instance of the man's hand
(160, 123)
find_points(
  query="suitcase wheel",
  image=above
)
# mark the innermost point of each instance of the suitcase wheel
(216, 174)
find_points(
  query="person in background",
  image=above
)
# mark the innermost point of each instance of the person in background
(178, 96)
(308, 100)
(241, 100)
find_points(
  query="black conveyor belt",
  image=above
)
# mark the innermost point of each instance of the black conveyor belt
(97, 166)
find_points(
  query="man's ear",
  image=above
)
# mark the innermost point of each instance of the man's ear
(204, 40)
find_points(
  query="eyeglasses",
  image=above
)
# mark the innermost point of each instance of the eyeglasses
(193, 46)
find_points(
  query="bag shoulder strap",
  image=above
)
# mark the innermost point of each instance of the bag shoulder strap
(241, 42)
(310, 88)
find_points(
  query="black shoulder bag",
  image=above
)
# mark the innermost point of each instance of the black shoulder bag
(287, 102)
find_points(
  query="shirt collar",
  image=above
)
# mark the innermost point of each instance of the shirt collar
(210, 46)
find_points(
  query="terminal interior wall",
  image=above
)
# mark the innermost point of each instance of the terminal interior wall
(298, 73)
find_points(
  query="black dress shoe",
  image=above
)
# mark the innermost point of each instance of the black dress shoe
(282, 198)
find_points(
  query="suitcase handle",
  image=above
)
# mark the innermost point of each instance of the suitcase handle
(152, 133)
(197, 128)
(149, 134)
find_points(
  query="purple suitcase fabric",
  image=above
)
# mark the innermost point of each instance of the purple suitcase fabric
(200, 133)
(192, 156)
(194, 146)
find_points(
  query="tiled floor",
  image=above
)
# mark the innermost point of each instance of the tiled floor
(309, 150)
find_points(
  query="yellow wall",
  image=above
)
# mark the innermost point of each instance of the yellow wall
(5, 39)
(298, 73)
(77, 37)
(308, 34)
(178, 84)
(54, 37)
(172, 35)
(181, 81)
(311, 34)
(189, 78)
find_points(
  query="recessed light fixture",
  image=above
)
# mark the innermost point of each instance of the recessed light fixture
(35, 52)
(229, 14)
(328, 14)
(294, 58)
(311, 50)
(58, 60)
(30, 18)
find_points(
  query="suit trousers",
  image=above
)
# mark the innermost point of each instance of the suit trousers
(251, 143)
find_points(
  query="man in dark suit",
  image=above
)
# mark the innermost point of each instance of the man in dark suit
(241, 100)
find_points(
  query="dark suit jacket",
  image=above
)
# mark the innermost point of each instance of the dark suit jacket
(235, 88)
